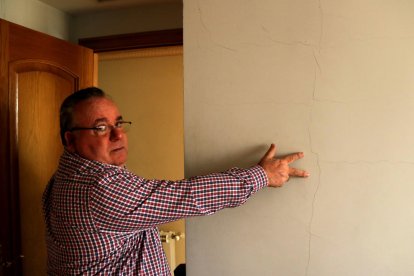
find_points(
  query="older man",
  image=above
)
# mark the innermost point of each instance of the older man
(102, 218)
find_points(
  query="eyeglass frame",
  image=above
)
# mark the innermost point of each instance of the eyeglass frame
(96, 129)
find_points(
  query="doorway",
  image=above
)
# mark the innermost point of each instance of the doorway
(147, 85)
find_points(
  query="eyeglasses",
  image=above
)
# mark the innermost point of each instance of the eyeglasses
(103, 129)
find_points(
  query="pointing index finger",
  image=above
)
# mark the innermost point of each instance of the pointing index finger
(293, 157)
(297, 172)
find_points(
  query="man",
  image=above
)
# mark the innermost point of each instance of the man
(101, 218)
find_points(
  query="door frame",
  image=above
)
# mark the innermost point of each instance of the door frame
(133, 41)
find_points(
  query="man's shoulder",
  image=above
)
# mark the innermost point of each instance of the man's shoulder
(73, 166)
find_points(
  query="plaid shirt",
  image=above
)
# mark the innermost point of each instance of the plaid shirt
(101, 219)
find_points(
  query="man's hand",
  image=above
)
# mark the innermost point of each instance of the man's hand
(278, 170)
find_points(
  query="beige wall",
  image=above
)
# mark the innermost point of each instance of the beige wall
(331, 78)
(36, 15)
(147, 85)
(149, 92)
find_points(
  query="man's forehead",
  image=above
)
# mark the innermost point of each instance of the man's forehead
(106, 120)
(95, 110)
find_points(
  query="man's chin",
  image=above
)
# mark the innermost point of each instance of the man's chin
(119, 163)
(119, 157)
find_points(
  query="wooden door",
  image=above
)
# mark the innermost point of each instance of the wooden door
(37, 72)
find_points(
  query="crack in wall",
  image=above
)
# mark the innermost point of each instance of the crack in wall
(291, 43)
(283, 42)
(319, 174)
(207, 30)
(313, 213)
(314, 99)
(265, 30)
(321, 26)
(320, 72)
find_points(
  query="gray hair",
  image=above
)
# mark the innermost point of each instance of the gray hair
(68, 105)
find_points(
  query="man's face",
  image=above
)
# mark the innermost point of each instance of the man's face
(111, 148)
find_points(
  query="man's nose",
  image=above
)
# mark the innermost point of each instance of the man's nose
(116, 133)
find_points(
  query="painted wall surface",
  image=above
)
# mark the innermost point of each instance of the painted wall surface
(131, 20)
(149, 92)
(36, 15)
(331, 78)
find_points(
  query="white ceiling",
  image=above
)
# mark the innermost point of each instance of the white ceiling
(79, 6)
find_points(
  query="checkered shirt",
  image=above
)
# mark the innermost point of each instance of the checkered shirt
(101, 219)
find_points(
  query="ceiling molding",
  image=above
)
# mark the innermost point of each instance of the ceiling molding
(173, 37)
(83, 6)
(140, 53)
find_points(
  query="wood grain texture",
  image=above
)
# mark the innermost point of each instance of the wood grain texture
(36, 71)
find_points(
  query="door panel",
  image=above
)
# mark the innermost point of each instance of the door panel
(39, 149)
(37, 72)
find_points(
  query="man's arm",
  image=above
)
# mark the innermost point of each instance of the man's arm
(126, 202)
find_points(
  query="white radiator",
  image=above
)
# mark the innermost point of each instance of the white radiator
(168, 244)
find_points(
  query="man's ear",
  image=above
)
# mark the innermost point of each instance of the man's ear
(70, 141)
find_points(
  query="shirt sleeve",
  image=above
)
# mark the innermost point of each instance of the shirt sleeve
(126, 202)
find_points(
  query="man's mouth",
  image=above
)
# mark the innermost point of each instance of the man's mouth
(118, 149)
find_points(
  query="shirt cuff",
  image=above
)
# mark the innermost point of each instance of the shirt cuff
(259, 176)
